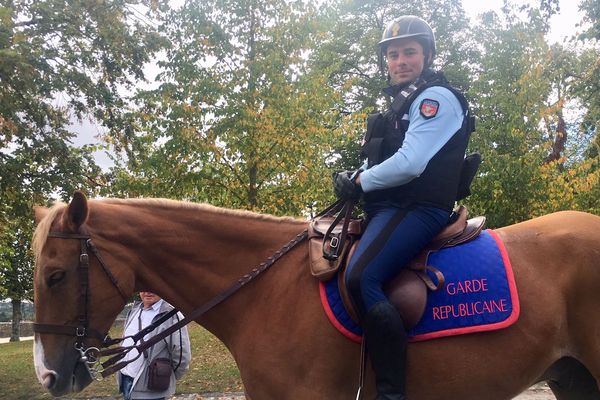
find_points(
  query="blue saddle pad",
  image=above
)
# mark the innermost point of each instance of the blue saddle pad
(480, 293)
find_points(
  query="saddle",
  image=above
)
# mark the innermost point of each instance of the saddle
(408, 290)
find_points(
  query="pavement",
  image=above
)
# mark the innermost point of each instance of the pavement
(210, 396)
(6, 340)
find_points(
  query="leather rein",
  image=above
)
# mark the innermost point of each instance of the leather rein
(90, 356)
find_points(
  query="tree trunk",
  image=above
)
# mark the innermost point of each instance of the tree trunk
(16, 320)
(559, 140)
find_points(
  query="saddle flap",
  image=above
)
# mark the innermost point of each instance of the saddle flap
(406, 292)
(320, 267)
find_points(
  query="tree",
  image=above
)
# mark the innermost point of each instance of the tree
(349, 51)
(239, 119)
(349, 46)
(578, 184)
(588, 87)
(510, 93)
(16, 269)
(81, 54)
(591, 9)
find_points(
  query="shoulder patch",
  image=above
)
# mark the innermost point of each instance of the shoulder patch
(429, 108)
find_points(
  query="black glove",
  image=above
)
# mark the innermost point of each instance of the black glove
(344, 187)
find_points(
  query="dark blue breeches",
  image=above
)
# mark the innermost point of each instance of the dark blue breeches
(392, 238)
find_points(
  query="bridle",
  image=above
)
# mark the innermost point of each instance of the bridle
(82, 330)
(90, 356)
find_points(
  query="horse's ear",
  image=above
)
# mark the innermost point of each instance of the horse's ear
(77, 211)
(40, 212)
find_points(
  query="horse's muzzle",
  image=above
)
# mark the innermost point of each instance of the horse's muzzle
(59, 385)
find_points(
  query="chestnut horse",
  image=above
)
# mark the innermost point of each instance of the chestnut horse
(275, 327)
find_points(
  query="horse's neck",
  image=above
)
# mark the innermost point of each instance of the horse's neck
(189, 255)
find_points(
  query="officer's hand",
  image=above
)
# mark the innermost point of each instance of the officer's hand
(344, 187)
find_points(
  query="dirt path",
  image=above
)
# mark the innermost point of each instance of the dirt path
(538, 392)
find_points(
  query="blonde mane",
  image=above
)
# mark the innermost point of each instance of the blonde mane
(41, 232)
(40, 235)
(201, 207)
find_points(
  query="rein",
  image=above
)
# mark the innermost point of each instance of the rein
(109, 368)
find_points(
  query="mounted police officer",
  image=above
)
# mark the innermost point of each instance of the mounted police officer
(409, 183)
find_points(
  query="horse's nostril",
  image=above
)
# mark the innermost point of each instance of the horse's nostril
(49, 379)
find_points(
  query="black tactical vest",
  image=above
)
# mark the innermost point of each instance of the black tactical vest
(437, 186)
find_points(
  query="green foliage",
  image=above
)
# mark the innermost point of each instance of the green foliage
(238, 120)
(57, 62)
(523, 96)
(509, 97)
(587, 87)
(16, 269)
(255, 107)
(591, 8)
(255, 103)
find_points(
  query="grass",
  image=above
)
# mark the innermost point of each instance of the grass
(212, 370)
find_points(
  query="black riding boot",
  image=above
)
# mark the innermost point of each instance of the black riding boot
(386, 343)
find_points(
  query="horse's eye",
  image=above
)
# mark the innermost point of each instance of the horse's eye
(55, 278)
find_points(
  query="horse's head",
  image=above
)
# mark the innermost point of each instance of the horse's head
(76, 297)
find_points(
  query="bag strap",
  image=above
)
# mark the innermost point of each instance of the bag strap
(167, 345)
(180, 346)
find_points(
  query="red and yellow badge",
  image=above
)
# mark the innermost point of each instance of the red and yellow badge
(429, 108)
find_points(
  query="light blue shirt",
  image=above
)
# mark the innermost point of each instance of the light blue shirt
(423, 139)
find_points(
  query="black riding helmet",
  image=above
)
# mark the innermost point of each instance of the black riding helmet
(409, 26)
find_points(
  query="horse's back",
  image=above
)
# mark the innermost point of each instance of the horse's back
(561, 245)
(556, 263)
(552, 232)
(570, 241)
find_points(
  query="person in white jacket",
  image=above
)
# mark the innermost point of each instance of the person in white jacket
(133, 379)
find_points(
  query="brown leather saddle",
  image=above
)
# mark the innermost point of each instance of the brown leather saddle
(408, 290)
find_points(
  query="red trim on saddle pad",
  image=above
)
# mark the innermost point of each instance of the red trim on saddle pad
(332, 318)
(516, 309)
